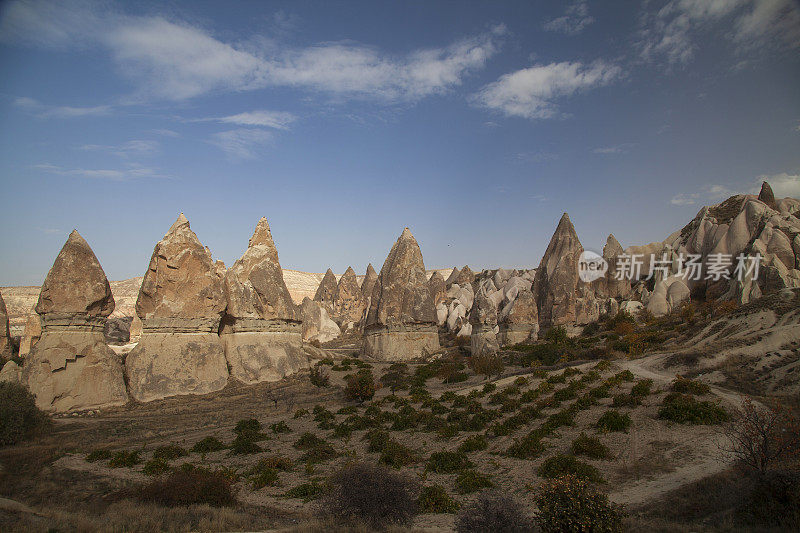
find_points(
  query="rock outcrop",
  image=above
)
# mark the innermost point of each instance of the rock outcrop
(71, 367)
(326, 291)
(30, 334)
(180, 303)
(465, 276)
(5, 338)
(452, 277)
(317, 325)
(483, 318)
(348, 302)
(261, 329)
(437, 288)
(401, 322)
(609, 286)
(767, 196)
(368, 285)
(555, 285)
(520, 320)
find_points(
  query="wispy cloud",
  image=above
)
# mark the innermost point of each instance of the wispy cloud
(279, 120)
(669, 34)
(537, 157)
(165, 133)
(575, 19)
(684, 199)
(242, 143)
(614, 150)
(133, 172)
(532, 92)
(49, 111)
(135, 148)
(783, 184)
(175, 60)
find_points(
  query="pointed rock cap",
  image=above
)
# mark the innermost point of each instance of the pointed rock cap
(326, 292)
(262, 234)
(465, 276)
(368, 284)
(406, 234)
(767, 196)
(452, 277)
(180, 223)
(371, 271)
(612, 248)
(76, 284)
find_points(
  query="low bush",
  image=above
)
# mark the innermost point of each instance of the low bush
(685, 409)
(243, 445)
(99, 455)
(434, 499)
(169, 452)
(308, 491)
(264, 476)
(370, 494)
(642, 388)
(280, 427)
(125, 459)
(473, 443)
(627, 400)
(528, 447)
(561, 465)
(319, 376)
(316, 450)
(690, 386)
(493, 512)
(774, 501)
(591, 447)
(249, 429)
(207, 445)
(20, 419)
(360, 386)
(156, 467)
(469, 481)
(569, 504)
(446, 462)
(276, 462)
(487, 364)
(613, 420)
(300, 413)
(188, 487)
(397, 455)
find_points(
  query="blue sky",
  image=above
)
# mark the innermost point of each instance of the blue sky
(474, 123)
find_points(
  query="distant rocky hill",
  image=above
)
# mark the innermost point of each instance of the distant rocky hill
(20, 301)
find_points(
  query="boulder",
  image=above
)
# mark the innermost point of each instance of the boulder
(317, 326)
(71, 367)
(326, 291)
(6, 350)
(658, 304)
(441, 314)
(261, 329)
(401, 322)
(556, 280)
(677, 293)
(11, 373)
(501, 276)
(180, 303)
(437, 288)
(348, 302)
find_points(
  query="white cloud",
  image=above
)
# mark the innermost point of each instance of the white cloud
(531, 92)
(279, 120)
(242, 143)
(669, 34)
(783, 184)
(175, 60)
(574, 20)
(133, 172)
(612, 150)
(165, 133)
(684, 199)
(47, 111)
(128, 149)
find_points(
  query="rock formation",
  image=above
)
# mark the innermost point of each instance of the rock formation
(5, 337)
(261, 329)
(767, 196)
(30, 334)
(401, 322)
(452, 277)
(348, 302)
(437, 288)
(609, 286)
(71, 367)
(465, 276)
(180, 303)
(368, 285)
(317, 325)
(483, 319)
(556, 282)
(326, 291)
(520, 320)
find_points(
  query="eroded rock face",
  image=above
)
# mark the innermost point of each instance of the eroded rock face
(348, 302)
(71, 367)
(30, 335)
(609, 286)
(326, 291)
(368, 285)
(180, 303)
(556, 279)
(401, 322)
(261, 329)
(767, 196)
(437, 288)
(465, 276)
(520, 320)
(483, 319)
(452, 277)
(5, 337)
(317, 325)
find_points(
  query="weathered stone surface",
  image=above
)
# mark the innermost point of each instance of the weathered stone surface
(30, 335)
(180, 303)
(556, 280)
(437, 288)
(71, 367)
(11, 373)
(348, 302)
(326, 291)
(483, 318)
(261, 330)
(5, 337)
(452, 277)
(368, 285)
(609, 286)
(465, 276)
(317, 326)
(118, 330)
(402, 317)
(767, 196)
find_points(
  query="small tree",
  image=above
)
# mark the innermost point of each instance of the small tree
(20, 419)
(360, 386)
(569, 504)
(759, 436)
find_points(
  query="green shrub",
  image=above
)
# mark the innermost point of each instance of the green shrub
(125, 459)
(371, 494)
(264, 476)
(446, 462)
(473, 443)
(493, 512)
(242, 445)
(627, 400)
(276, 462)
(377, 439)
(557, 335)
(471, 481)
(360, 386)
(774, 501)
(156, 467)
(207, 445)
(99, 455)
(396, 377)
(397, 455)
(642, 388)
(20, 419)
(306, 491)
(487, 364)
(169, 452)
(685, 409)
(561, 465)
(528, 447)
(613, 420)
(545, 354)
(316, 450)
(300, 413)
(591, 447)
(689, 386)
(249, 429)
(319, 376)
(603, 365)
(434, 499)
(489, 388)
(188, 487)
(571, 505)
(625, 375)
(280, 427)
